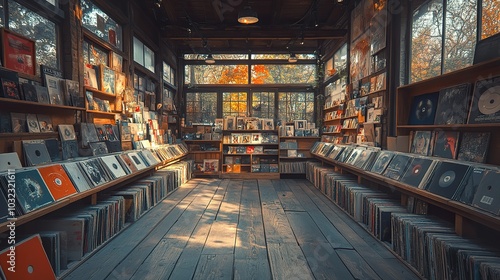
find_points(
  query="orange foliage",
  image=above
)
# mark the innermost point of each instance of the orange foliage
(237, 75)
(260, 73)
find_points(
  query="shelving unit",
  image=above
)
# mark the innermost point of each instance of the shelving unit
(101, 117)
(199, 150)
(295, 165)
(237, 163)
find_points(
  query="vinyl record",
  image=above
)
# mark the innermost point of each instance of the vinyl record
(447, 179)
(31, 191)
(487, 193)
(35, 152)
(57, 181)
(489, 101)
(416, 170)
(424, 109)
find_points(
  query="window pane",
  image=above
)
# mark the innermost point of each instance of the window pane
(99, 23)
(138, 51)
(149, 59)
(2, 13)
(201, 107)
(166, 72)
(426, 41)
(490, 18)
(217, 74)
(270, 56)
(284, 74)
(38, 28)
(460, 34)
(292, 107)
(234, 104)
(263, 105)
(94, 54)
(230, 56)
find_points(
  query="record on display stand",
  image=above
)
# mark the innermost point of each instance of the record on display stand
(417, 170)
(66, 132)
(113, 166)
(423, 109)
(94, 170)
(396, 168)
(31, 191)
(128, 162)
(383, 159)
(453, 104)
(447, 178)
(467, 190)
(57, 181)
(35, 152)
(485, 107)
(77, 176)
(9, 161)
(487, 195)
(136, 160)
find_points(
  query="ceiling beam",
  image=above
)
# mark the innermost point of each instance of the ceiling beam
(277, 34)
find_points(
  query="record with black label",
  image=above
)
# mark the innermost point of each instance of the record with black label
(66, 132)
(113, 166)
(467, 190)
(416, 171)
(423, 109)
(9, 161)
(35, 152)
(76, 176)
(383, 159)
(447, 178)
(488, 193)
(95, 171)
(397, 166)
(485, 107)
(31, 191)
(57, 181)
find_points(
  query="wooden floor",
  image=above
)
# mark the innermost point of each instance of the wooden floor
(244, 229)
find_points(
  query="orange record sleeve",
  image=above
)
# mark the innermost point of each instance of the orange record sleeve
(57, 181)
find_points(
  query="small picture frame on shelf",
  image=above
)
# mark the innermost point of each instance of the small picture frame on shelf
(289, 130)
(267, 124)
(18, 52)
(116, 62)
(210, 165)
(300, 124)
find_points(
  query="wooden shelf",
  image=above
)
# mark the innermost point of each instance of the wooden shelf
(328, 133)
(250, 144)
(204, 152)
(300, 137)
(102, 113)
(450, 126)
(349, 129)
(201, 141)
(250, 131)
(351, 117)
(16, 102)
(100, 93)
(29, 135)
(337, 119)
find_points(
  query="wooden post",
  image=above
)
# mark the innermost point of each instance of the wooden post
(465, 227)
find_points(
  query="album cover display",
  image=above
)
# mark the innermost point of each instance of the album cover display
(474, 146)
(447, 178)
(32, 123)
(383, 159)
(150, 157)
(101, 132)
(76, 175)
(453, 105)
(98, 148)
(45, 123)
(485, 107)
(35, 152)
(18, 121)
(69, 149)
(9, 161)
(488, 193)
(423, 109)
(110, 134)
(88, 134)
(5, 122)
(128, 162)
(136, 160)
(66, 132)
(422, 143)
(33, 264)
(398, 165)
(95, 171)
(42, 94)
(467, 190)
(4, 207)
(113, 166)
(29, 92)
(31, 191)
(418, 171)
(52, 145)
(10, 83)
(354, 155)
(57, 181)
(446, 144)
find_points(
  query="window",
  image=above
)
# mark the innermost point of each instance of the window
(101, 24)
(143, 55)
(201, 107)
(32, 25)
(263, 105)
(216, 74)
(168, 74)
(296, 106)
(234, 104)
(444, 35)
(284, 74)
(94, 54)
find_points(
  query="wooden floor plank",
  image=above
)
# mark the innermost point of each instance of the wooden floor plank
(251, 269)
(215, 267)
(280, 186)
(357, 265)
(304, 228)
(100, 264)
(288, 262)
(324, 262)
(289, 202)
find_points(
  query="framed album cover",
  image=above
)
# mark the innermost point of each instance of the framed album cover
(18, 52)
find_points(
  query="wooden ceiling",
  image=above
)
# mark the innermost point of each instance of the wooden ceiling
(284, 25)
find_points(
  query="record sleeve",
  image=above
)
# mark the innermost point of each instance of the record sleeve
(467, 189)
(418, 171)
(5, 122)
(113, 166)
(35, 152)
(150, 157)
(57, 181)
(474, 146)
(69, 149)
(446, 144)
(423, 109)
(77, 177)
(421, 143)
(18, 121)
(128, 162)
(110, 134)
(453, 104)
(32, 262)
(98, 148)
(136, 160)
(383, 159)
(487, 196)
(42, 94)
(101, 132)
(32, 123)
(485, 107)
(9, 161)
(88, 134)
(52, 145)
(4, 206)
(10, 83)
(29, 92)
(66, 132)
(95, 171)
(45, 123)
(398, 165)
(31, 191)
(447, 178)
